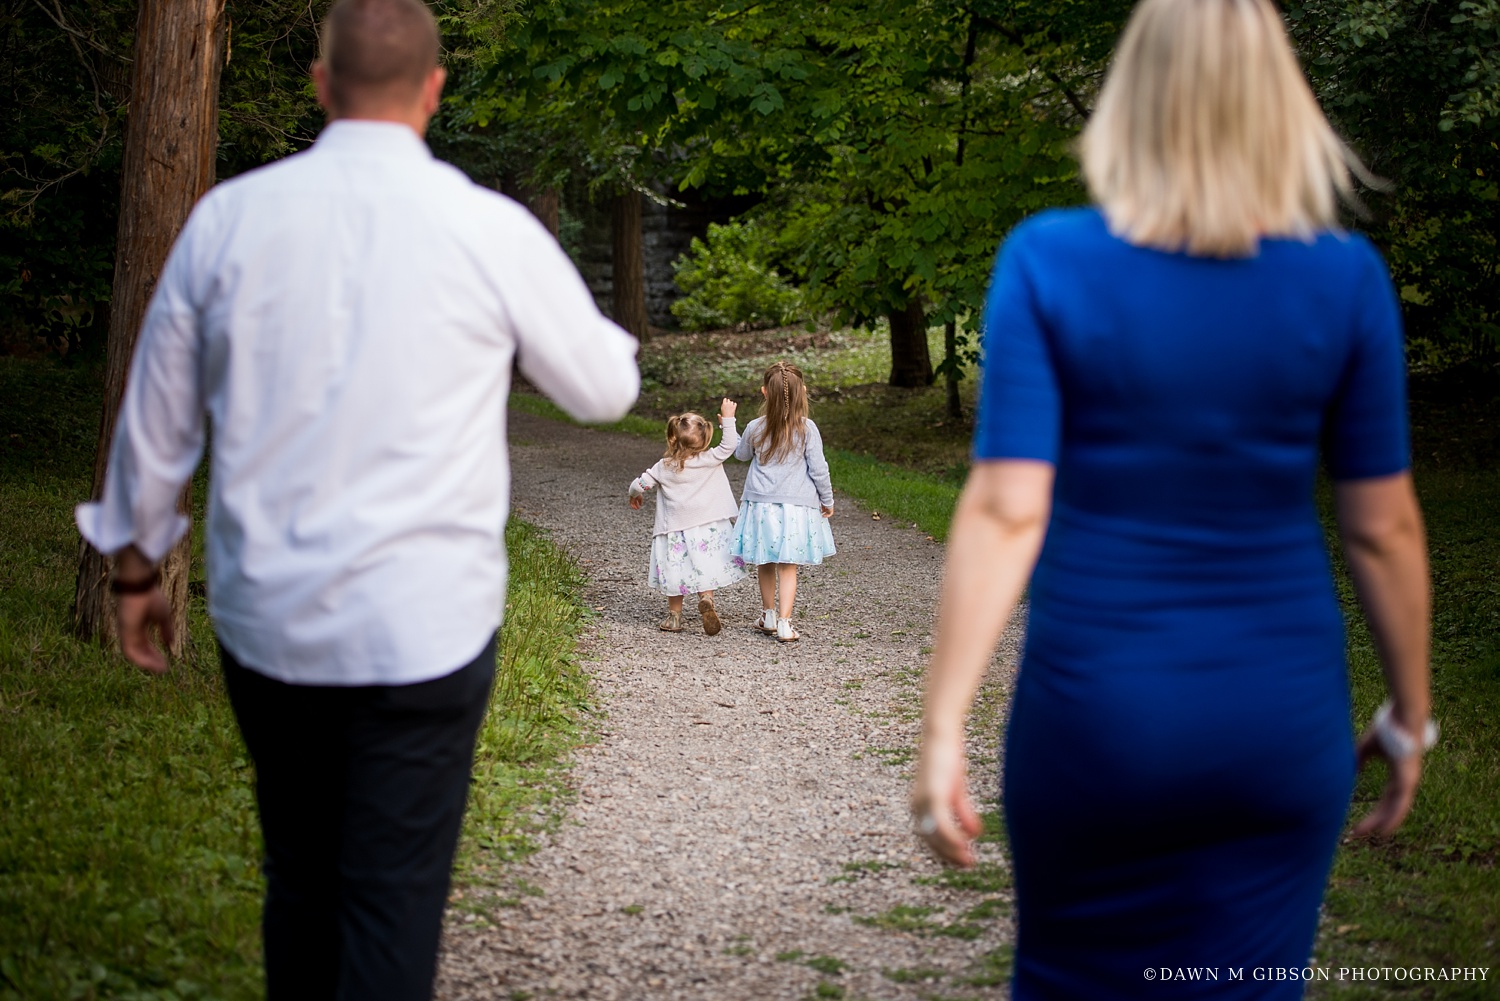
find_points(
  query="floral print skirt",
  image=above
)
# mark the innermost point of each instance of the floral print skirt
(782, 533)
(694, 560)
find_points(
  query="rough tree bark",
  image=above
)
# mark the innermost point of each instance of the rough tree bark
(170, 138)
(911, 362)
(546, 206)
(544, 203)
(629, 264)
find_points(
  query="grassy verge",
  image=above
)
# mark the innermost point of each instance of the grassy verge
(128, 847)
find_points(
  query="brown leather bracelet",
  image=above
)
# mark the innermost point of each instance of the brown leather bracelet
(118, 586)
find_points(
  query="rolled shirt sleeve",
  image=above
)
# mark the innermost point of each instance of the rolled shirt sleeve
(566, 347)
(158, 439)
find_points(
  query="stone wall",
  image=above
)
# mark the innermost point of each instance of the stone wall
(667, 229)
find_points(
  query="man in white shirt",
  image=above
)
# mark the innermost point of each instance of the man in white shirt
(348, 318)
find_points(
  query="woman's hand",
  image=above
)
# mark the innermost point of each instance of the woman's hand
(828, 510)
(636, 501)
(1386, 548)
(727, 408)
(996, 535)
(940, 803)
(1400, 791)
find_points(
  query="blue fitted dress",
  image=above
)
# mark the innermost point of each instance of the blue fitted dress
(1179, 759)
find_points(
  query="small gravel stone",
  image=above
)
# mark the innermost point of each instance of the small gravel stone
(745, 805)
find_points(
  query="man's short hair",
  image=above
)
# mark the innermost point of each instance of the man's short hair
(376, 51)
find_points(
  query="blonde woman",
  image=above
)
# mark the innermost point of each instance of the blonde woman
(1164, 374)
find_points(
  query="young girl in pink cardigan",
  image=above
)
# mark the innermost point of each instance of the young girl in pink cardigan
(691, 545)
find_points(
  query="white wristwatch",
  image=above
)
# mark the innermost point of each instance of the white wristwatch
(1394, 740)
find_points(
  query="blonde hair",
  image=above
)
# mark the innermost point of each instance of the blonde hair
(785, 413)
(687, 435)
(1207, 136)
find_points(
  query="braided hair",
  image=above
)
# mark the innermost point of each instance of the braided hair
(785, 429)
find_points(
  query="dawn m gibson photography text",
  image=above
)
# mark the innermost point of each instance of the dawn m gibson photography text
(1350, 973)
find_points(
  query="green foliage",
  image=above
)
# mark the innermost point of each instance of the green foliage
(726, 282)
(1415, 86)
(129, 848)
(60, 131)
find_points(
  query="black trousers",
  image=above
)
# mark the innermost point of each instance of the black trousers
(361, 794)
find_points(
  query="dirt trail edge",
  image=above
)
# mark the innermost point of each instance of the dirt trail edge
(740, 830)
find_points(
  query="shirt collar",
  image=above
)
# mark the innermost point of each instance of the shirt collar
(363, 135)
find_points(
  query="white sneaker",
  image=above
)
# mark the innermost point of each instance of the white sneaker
(784, 631)
(767, 621)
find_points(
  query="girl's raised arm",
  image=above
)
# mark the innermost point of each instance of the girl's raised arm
(729, 443)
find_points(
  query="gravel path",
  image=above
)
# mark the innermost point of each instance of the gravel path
(739, 831)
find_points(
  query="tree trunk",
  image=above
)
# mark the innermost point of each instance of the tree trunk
(911, 362)
(950, 359)
(170, 138)
(546, 207)
(629, 264)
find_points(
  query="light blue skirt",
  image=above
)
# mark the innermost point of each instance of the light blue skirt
(782, 533)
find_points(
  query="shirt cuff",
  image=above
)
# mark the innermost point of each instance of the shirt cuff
(109, 534)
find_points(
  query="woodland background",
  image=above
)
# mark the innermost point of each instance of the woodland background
(874, 152)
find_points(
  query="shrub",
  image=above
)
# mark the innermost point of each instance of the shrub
(726, 282)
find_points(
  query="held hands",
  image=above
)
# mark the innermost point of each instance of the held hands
(727, 408)
(941, 809)
(1402, 776)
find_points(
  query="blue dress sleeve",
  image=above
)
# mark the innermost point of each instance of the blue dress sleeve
(1367, 434)
(1020, 405)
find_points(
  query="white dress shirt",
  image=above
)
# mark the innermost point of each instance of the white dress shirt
(348, 317)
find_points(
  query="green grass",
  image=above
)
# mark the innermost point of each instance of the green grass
(129, 848)
(902, 495)
(540, 406)
(1430, 895)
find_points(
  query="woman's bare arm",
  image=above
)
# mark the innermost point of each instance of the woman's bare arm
(1386, 548)
(996, 536)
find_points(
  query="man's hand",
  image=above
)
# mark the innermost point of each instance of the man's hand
(727, 408)
(137, 613)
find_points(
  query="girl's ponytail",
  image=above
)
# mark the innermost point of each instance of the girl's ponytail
(687, 435)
